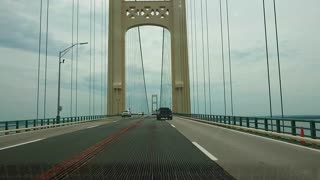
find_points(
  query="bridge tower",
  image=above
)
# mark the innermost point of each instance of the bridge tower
(124, 15)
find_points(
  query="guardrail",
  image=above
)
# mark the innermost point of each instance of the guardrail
(310, 128)
(17, 126)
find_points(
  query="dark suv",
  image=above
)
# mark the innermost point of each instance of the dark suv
(164, 113)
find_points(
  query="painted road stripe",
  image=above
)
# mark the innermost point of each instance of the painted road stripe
(248, 134)
(20, 144)
(207, 153)
(173, 126)
(92, 126)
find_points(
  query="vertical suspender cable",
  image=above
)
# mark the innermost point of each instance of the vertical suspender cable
(161, 90)
(105, 53)
(90, 52)
(192, 55)
(94, 54)
(72, 41)
(46, 62)
(203, 60)
(144, 79)
(77, 58)
(267, 55)
(101, 81)
(208, 56)
(196, 54)
(105, 57)
(39, 58)
(229, 53)
(223, 69)
(278, 56)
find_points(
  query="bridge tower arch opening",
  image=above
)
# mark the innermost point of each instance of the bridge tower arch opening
(124, 15)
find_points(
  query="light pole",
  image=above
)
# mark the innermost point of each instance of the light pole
(61, 54)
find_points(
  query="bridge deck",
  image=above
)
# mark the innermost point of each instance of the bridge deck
(148, 149)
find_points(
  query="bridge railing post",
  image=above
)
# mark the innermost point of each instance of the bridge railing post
(224, 119)
(313, 129)
(240, 121)
(255, 123)
(293, 128)
(266, 125)
(278, 126)
(234, 120)
(248, 122)
(26, 123)
(17, 126)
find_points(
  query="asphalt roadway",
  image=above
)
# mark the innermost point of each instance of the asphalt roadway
(247, 156)
(144, 148)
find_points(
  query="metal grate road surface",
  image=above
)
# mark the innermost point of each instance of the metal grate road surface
(153, 150)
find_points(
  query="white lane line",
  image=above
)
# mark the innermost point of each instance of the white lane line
(115, 121)
(20, 144)
(207, 153)
(248, 134)
(173, 126)
(92, 126)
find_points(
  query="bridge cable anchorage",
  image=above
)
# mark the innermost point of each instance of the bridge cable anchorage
(196, 54)
(203, 59)
(90, 59)
(223, 68)
(208, 56)
(46, 62)
(77, 59)
(39, 58)
(72, 59)
(229, 54)
(267, 55)
(278, 57)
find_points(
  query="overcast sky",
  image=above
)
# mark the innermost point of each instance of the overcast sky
(299, 53)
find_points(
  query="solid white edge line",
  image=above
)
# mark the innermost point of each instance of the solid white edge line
(207, 153)
(92, 126)
(173, 126)
(274, 140)
(20, 144)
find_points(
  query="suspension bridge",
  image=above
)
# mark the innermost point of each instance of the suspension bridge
(222, 66)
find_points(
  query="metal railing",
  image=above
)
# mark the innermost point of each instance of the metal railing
(15, 126)
(310, 128)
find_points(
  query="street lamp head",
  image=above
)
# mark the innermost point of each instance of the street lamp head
(84, 43)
